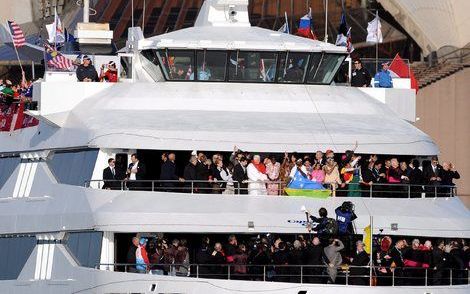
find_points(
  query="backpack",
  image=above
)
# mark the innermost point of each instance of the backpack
(328, 227)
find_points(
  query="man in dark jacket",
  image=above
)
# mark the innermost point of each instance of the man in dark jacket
(281, 258)
(358, 262)
(168, 174)
(397, 258)
(136, 173)
(239, 177)
(440, 261)
(130, 260)
(189, 174)
(112, 176)
(314, 258)
(416, 179)
(86, 72)
(202, 173)
(447, 178)
(360, 75)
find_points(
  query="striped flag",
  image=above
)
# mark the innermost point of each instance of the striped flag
(56, 60)
(16, 34)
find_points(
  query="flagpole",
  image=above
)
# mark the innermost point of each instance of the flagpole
(371, 251)
(377, 41)
(326, 21)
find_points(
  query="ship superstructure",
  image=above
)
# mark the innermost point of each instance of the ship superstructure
(218, 84)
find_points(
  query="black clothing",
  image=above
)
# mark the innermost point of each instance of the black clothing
(139, 176)
(203, 258)
(130, 259)
(202, 174)
(189, 175)
(357, 273)
(217, 259)
(295, 259)
(314, 256)
(87, 72)
(416, 178)
(440, 262)
(230, 251)
(281, 258)
(447, 177)
(429, 173)
(397, 258)
(110, 179)
(360, 77)
(239, 175)
(168, 175)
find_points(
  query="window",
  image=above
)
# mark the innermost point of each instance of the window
(85, 247)
(211, 65)
(316, 59)
(14, 252)
(292, 67)
(7, 166)
(178, 65)
(252, 66)
(73, 167)
(326, 69)
(126, 67)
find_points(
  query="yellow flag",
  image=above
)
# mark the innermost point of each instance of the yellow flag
(367, 239)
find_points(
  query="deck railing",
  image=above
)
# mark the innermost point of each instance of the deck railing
(376, 190)
(305, 274)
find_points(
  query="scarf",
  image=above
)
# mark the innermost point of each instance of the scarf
(260, 167)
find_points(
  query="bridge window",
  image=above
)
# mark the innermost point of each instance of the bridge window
(325, 70)
(252, 66)
(73, 167)
(177, 65)
(14, 252)
(211, 65)
(292, 67)
(85, 247)
(7, 166)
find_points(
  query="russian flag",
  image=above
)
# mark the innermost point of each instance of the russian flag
(305, 26)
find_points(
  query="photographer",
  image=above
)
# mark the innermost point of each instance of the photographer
(333, 258)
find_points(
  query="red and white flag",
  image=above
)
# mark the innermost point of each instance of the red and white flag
(399, 68)
(16, 34)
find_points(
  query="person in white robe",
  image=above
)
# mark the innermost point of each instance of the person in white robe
(257, 179)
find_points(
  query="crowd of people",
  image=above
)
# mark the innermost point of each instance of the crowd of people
(14, 99)
(11, 92)
(348, 174)
(280, 258)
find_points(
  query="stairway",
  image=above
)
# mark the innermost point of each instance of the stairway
(426, 75)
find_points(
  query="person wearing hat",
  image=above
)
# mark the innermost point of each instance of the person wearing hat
(110, 74)
(383, 78)
(141, 257)
(86, 72)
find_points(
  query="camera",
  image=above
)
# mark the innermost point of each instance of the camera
(232, 12)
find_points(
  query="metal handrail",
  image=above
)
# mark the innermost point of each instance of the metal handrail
(397, 276)
(375, 190)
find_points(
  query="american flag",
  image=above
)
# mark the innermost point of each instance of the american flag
(56, 60)
(16, 34)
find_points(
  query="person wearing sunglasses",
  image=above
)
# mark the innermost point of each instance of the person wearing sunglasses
(360, 77)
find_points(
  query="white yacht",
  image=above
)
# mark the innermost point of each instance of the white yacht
(209, 87)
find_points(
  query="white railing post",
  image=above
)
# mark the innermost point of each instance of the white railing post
(264, 273)
(301, 274)
(409, 191)
(228, 271)
(426, 277)
(450, 277)
(393, 277)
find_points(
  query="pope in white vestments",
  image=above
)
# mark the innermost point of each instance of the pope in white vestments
(256, 178)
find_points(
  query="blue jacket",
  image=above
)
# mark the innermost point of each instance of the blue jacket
(383, 79)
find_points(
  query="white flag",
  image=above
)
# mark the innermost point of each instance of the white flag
(55, 30)
(374, 31)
